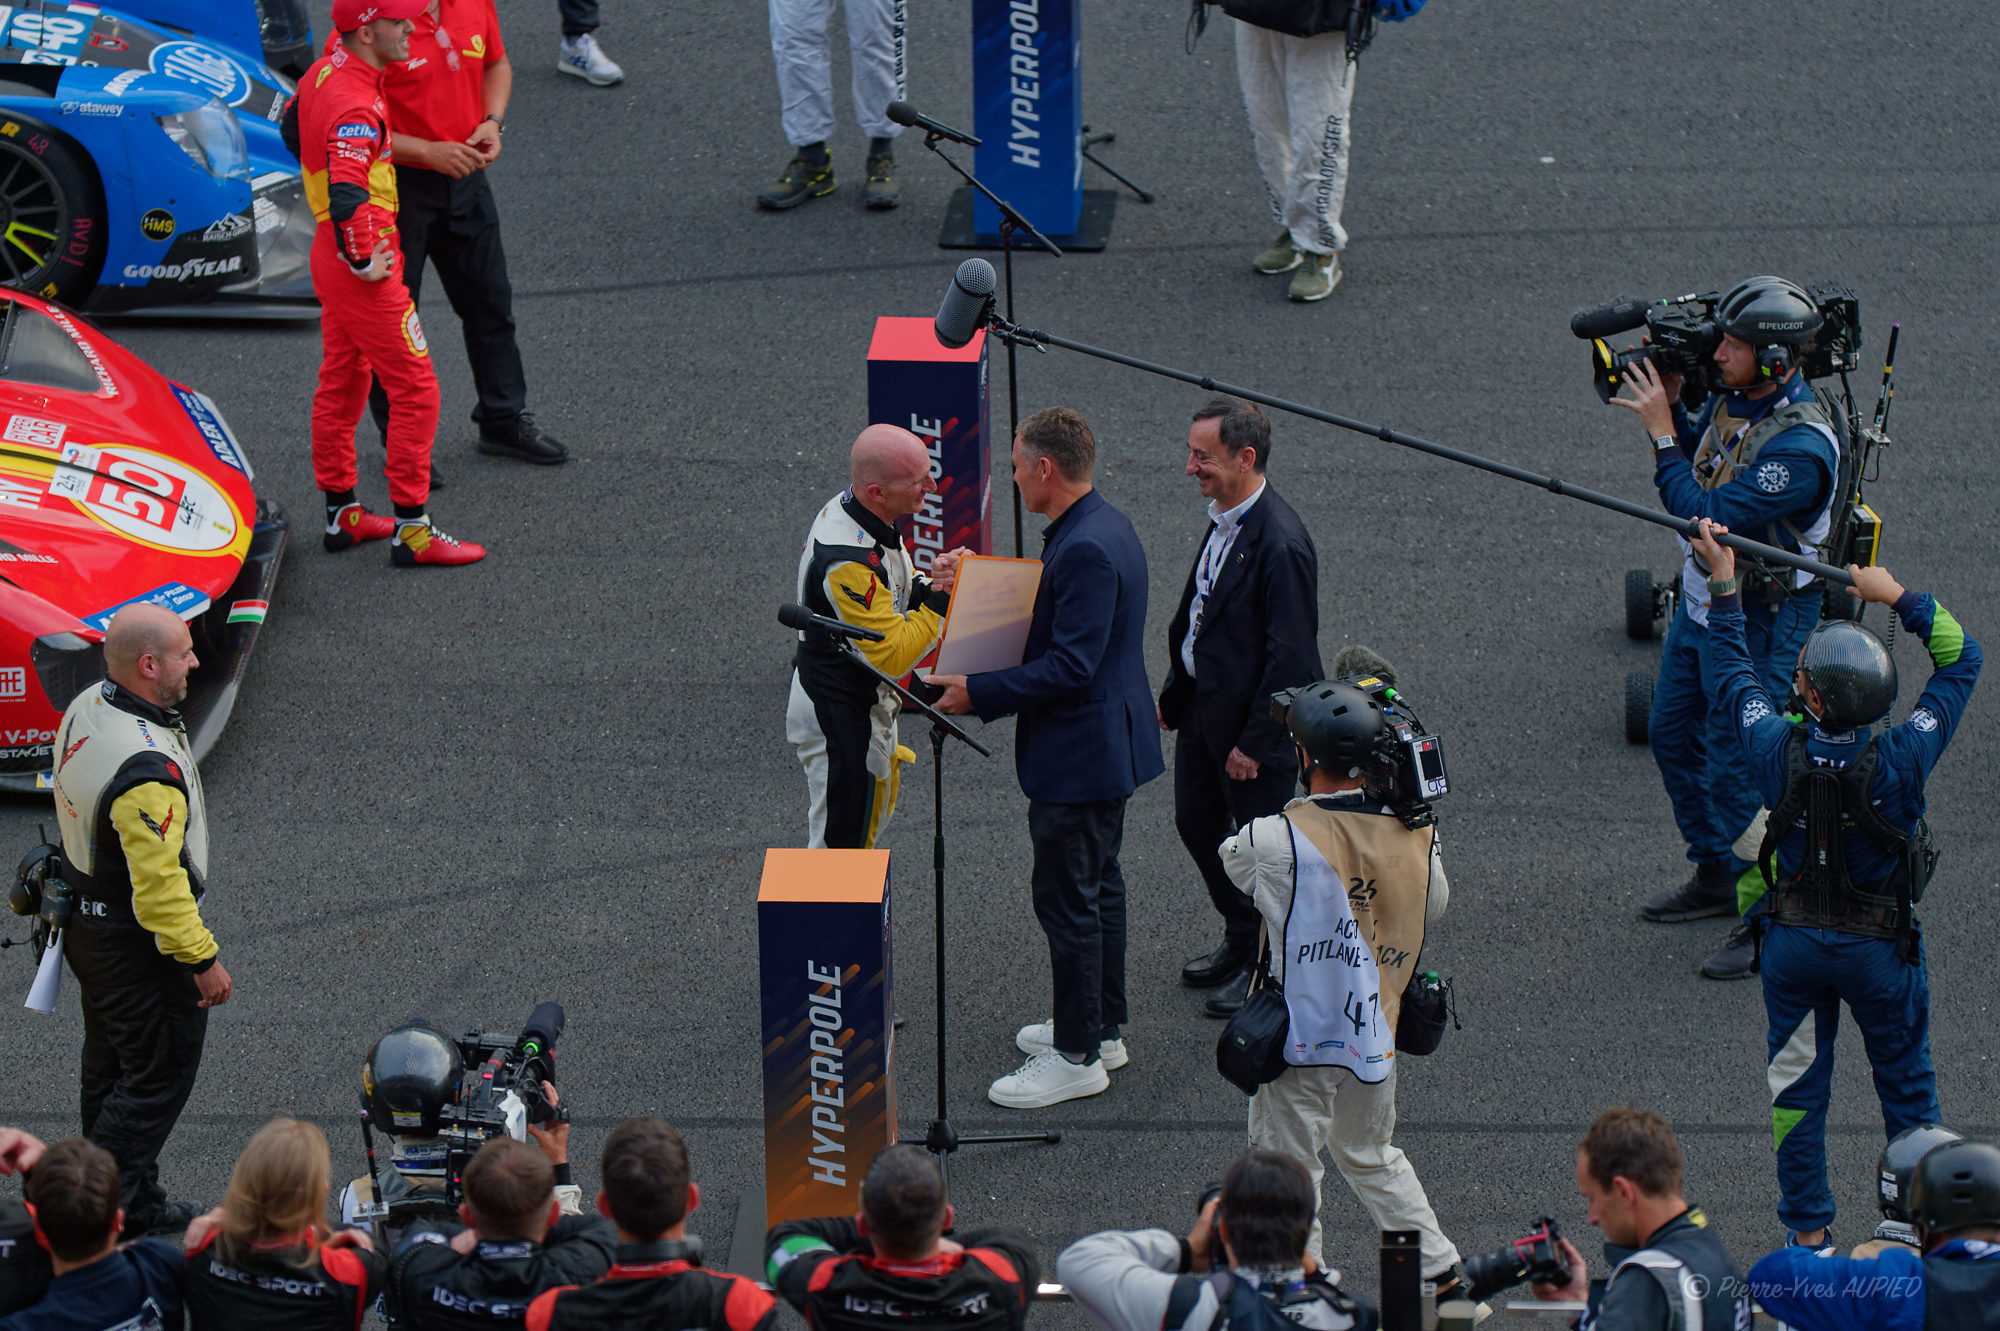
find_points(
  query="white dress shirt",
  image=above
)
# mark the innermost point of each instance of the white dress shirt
(1213, 555)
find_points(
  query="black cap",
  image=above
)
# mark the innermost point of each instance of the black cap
(1764, 310)
(1334, 722)
(411, 1074)
(1851, 670)
(1956, 1185)
(1898, 1165)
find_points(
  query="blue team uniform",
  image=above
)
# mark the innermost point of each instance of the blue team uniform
(1892, 1292)
(1778, 499)
(136, 1288)
(1809, 972)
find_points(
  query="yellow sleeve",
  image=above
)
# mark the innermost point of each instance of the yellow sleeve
(152, 821)
(861, 598)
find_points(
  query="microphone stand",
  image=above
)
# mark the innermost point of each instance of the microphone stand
(1010, 332)
(940, 1138)
(1010, 222)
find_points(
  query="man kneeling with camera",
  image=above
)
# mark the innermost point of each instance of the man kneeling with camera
(516, 1243)
(1669, 1270)
(1257, 1223)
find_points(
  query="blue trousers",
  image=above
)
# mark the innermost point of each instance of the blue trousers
(1701, 764)
(1808, 974)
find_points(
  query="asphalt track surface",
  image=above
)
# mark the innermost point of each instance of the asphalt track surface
(554, 775)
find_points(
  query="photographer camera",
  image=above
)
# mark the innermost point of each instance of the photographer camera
(1271, 1279)
(1763, 458)
(1669, 1270)
(1847, 855)
(1954, 1285)
(1347, 887)
(892, 1263)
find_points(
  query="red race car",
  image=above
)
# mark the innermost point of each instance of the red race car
(116, 485)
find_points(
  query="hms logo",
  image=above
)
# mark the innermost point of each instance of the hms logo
(13, 682)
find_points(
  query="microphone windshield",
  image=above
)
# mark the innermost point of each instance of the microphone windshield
(965, 303)
(904, 114)
(795, 617)
(1357, 661)
(1618, 317)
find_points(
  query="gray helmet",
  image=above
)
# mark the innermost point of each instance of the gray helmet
(1852, 671)
(1956, 1185)
(1335, 723)
(1898, 1166)
(411, 1074)
(1764, 310)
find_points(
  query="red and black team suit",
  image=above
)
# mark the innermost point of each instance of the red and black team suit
(293, 1282)
(829, 1271)
(657, 1286)
(368, 323)
(436, 1289)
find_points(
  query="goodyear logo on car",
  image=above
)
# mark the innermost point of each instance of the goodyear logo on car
(220, 442)
(204, 66)
(157, 224)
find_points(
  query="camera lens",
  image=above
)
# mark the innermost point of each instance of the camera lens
(1209, 1194)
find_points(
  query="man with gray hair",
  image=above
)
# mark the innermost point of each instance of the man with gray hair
(135, 848)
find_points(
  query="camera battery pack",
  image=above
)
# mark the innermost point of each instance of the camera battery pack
(1865, 545)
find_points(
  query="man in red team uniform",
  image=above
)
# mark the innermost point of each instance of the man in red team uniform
(448, 102)
(367, 322)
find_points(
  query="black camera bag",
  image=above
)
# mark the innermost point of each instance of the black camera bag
(1420, 1019)
(1251, 1051)
(1294, 18)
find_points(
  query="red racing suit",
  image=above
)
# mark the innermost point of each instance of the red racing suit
(365, 326)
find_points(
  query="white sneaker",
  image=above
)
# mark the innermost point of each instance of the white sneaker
(581, 57)
(1048, 1079)
(1042, 1035)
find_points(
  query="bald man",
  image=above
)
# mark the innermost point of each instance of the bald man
(135, 847)
(842, 720)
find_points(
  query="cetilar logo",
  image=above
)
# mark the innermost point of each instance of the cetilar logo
(203, 66)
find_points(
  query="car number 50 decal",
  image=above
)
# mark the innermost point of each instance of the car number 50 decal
(150, 498)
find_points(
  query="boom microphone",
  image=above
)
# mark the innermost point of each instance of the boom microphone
(966, 302)
(798, 617)
(905, 114)
(1618, 317)
(1356, 662)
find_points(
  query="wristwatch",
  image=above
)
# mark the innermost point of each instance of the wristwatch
(1663, 442)
(497, 121)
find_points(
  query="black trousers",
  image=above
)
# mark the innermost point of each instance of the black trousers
(578, 17)
(1080, 900)
(455, 224)
(1208, 808)
(142, 1038)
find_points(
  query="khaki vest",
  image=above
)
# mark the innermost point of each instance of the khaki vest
(101, 751)
(1360, 885)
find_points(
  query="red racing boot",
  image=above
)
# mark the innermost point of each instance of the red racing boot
(419, 542)
(352, 525)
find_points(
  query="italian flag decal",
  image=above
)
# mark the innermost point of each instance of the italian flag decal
(247, 612)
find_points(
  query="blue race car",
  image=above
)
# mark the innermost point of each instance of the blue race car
(141, 169)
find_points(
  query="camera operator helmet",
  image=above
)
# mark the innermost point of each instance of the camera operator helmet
(1852, 672)
(1777, 318)
(1336, 724)
(411, 1074)
(1898, 1166)
(1956, 1185)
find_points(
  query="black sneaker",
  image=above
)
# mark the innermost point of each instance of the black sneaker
(881, 193)
(802, 179)
(1736, 959)
(1710, 890)
(172, 1218)
(522, 438)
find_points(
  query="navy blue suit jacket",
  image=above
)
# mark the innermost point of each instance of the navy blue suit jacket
(1087, 729)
